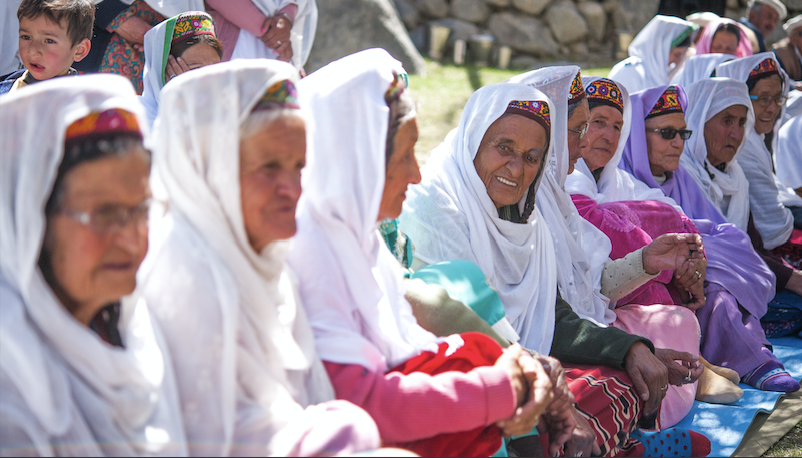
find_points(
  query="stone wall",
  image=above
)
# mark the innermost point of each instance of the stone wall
(543, 30)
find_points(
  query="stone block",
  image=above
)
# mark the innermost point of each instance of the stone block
(498, 3)
(433, 8)
(532, 7)
(475, 11)
(522, 33)
(408, 13)
(596, 18)
(566, 23)
(632, 15)
(460, 30)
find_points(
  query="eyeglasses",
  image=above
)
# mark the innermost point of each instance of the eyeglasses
(669, 133)
(582, 131)
(767, 99)
(113, 218)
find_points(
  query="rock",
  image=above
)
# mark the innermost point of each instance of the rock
(369, 24)
(522, 33)
(524, 63)
(596, 19)
(408, 13)
(460, 30)
(533, 7)
(610, 6)
(632, 15)
(470, 10)
(434, 8)
(498, 3)
(580, 49)
(733, 4)
(566, 23)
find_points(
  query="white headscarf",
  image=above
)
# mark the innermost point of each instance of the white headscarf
(351, 285)
(614, 184)
(302, 35)
(768, 197)
(788, 157)
(699, 67)
(450, 216)
(647, 64)
(254, 362)
(169, 8)
(126, 396)
(581, 248)
(728, 190)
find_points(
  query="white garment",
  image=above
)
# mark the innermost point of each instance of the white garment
(302, 34)
(647, 64)
(351, 284)
(69, 391)
(699, 67)
(728, 190)
(155, 62)
(449, 216)
(9, 37)
(244, 352)
(169, 8)
(788, 157)
(614, 184)
(793, 107)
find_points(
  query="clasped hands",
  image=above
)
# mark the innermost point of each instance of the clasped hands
(684, 254)
(276, 36)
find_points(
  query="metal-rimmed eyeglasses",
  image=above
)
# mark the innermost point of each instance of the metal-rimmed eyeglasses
(110, 219)
(582, 131)
(669, 133)
(766, 100)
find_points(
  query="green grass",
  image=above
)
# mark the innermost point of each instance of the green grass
(789, 445)
(442, 93)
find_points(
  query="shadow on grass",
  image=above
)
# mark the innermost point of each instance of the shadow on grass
(474, 77)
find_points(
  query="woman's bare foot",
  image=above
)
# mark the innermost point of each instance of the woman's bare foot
(728, 374)
(715, 389)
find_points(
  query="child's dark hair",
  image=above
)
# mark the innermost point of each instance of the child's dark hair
(79, 15)
(178, 47)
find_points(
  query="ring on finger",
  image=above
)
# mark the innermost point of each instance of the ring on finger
(698, 274)
(665, 388)
(278, 42)
(688, 378)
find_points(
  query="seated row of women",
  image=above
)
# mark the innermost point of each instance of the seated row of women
(210, 307)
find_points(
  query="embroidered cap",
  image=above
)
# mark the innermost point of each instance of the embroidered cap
(765, 68)
(279, 95)
(535, 110)
(113, 121)
(577, 90)
(667, 103)
(191, 24)
(605, 92)
(399, 84)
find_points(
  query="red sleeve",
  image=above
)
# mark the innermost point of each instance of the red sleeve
(416, 406)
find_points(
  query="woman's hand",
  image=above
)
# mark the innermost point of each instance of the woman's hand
(690, 278)
(528, 377)
(671, 251)
(133, 30)
(175, 67)
(687, 370)
(276, 31)
(285, 52)
(581, 440)
(649, 376)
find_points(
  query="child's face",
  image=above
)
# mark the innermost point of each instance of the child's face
(46, 49)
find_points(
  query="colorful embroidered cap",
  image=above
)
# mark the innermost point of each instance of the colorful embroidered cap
(114, 121)
(766, 68)
(279, 95)
(667, 103)
(577, 90)
(533, 109)
(605, 92)
(191, 24)
(396, 87)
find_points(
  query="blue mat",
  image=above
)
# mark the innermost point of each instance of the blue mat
(725, 425)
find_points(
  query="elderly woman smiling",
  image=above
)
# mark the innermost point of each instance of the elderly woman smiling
(81, 366)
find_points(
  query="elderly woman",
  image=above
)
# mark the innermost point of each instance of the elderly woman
(736, 295)
(724, 36)
(436, 397)
(83, 369)
(656, 53)
(249, 379)
(192, 44)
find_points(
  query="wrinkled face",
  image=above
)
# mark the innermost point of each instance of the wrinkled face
(509, 158)
(199, 55)
(765, 19)
(795, 37)
(576, 122)
(765, 116)
(92, 270)
(604, 132)
(724, 133)
(402, 170)
(664, 154)
(46, 50)
(676, 55)
(724, 42)
(270, 180)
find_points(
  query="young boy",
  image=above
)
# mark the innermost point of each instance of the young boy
(52, 35)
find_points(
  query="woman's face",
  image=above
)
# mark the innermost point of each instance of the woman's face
(270, 180)
(664, 154)
(509, 158)
(197, 56)
(676, 55)
(724, 42)
(766, 116)
(91, 270)
(724, 133)
(604, 132)
(402, 170)
(577, 122)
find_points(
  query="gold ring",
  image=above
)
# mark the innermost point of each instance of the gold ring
(698, 275)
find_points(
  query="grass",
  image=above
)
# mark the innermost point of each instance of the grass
(789, 445)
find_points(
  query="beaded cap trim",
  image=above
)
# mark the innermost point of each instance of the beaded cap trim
(667, 103)
(114, 121)
(279, 95)
(532, 109)
(396, 87)
(192, 24)
(606, 92)
(577, 90)
(766, 68)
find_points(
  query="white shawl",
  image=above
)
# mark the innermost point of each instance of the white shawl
(120, 401)
(727, 190)
(351, 285)
(155, 64)
(244, 351)
(450, 216)
(614, 184)
(788, 157)
(647, 64)
(581, 248)
(699, 67)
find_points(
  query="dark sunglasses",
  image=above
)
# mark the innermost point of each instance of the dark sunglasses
(670, 133)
